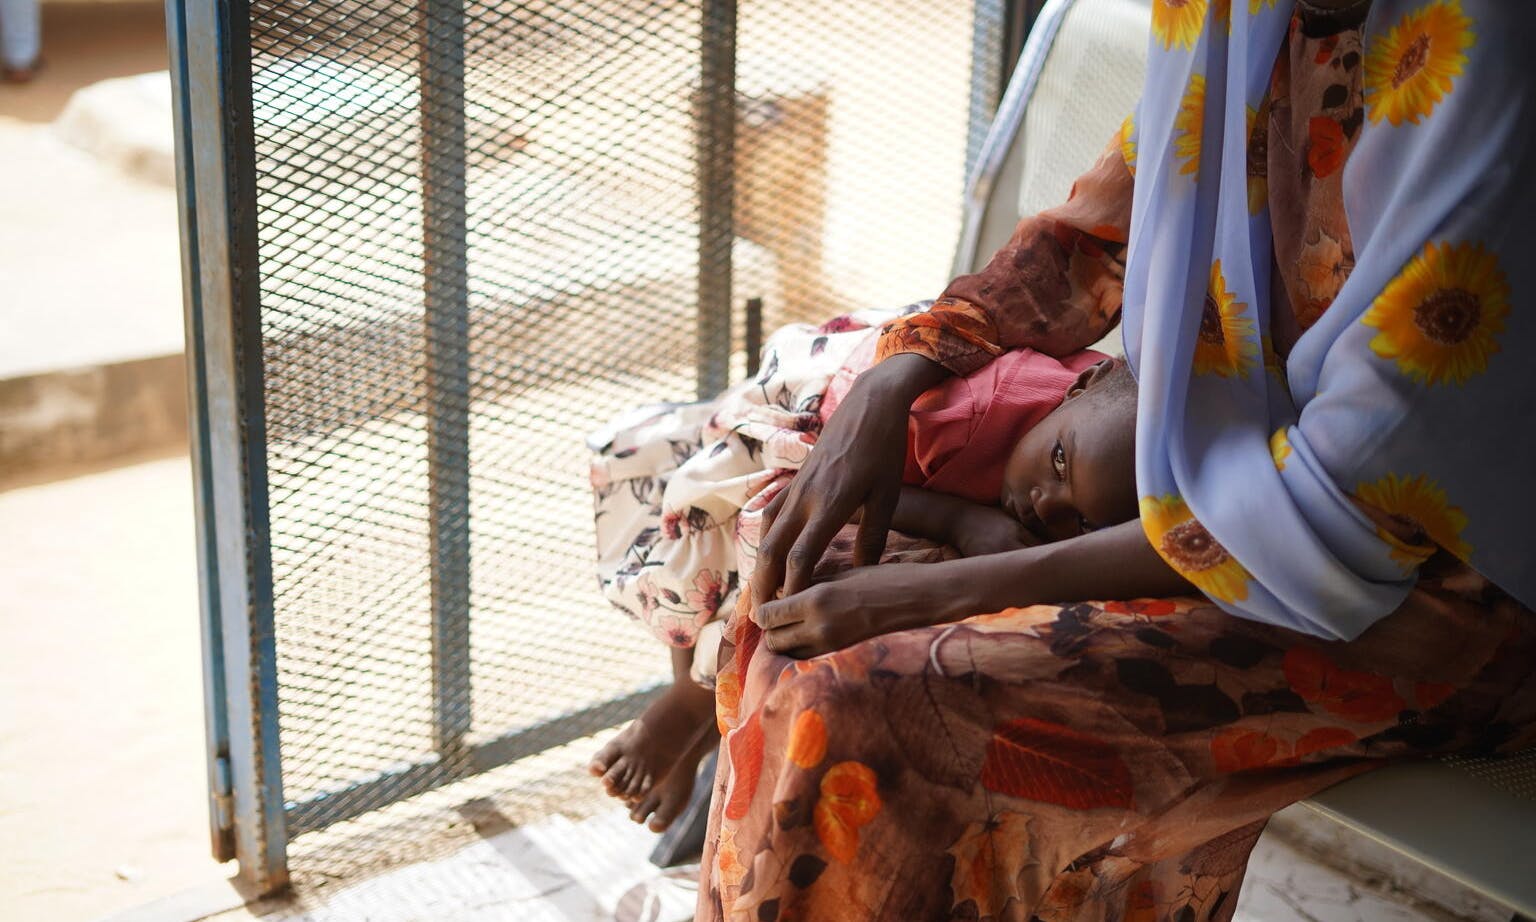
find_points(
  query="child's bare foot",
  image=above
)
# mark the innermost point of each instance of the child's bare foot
(635, 762)
(668, 797)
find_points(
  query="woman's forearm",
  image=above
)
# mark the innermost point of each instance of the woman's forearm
(865, 602)
(1112, 563)
(903, 377)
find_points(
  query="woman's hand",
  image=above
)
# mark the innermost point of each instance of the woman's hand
(856, 466)
(856, 605)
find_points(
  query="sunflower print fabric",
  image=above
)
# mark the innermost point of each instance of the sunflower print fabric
(1188, 547)
(1365, 286)
(1413, 66)
(1398, 216)
(1126, 141)
(1178, 23)
(1441, 317)
(1420, 508)
(1226, 344)
(1191, 125)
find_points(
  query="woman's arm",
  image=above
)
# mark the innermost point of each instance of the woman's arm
(1056, 287)
(857, 465)
(1113, 563)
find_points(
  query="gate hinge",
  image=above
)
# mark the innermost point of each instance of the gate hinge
(223, 811)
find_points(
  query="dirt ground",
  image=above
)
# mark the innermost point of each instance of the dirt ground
(101, 744)
(101, 737)
(85, 41)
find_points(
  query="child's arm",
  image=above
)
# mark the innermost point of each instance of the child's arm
(971, 528)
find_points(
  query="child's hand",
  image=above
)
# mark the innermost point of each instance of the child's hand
(983, 530)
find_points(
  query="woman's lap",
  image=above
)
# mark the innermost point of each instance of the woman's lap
(1077, 762)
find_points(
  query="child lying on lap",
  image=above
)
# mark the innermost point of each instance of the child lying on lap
(1029, 449)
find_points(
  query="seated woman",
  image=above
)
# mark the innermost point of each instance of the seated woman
(1317, 223)
(981, 453)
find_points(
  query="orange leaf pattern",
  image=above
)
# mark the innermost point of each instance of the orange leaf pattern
(1049, 762)
(1050, 733)
(745, 746)
(727, 700)
(1364, 697)
(989, 857)
(1320, 740)
(808, 740)
(1237, 750)
(848, 802)
(1325, 148)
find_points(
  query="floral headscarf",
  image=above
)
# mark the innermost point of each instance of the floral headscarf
(1413, 393)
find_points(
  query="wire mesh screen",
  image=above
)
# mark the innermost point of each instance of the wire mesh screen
(480, 235)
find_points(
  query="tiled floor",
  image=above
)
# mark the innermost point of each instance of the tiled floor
(595, 870)
(1288, 883)
(555, 870)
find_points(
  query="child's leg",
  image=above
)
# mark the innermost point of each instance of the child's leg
(669, 487)
(651, 762)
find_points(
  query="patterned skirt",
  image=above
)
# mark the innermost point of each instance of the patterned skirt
(1112, 760)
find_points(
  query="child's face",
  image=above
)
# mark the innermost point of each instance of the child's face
(1076, 470)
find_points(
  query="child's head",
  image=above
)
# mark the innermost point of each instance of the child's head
(1076, 470)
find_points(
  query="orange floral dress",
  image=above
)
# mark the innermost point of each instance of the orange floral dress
(1109, 760)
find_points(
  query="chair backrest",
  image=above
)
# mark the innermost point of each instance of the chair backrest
(1078, 77)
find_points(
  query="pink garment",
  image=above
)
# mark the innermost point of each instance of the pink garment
(961, 433)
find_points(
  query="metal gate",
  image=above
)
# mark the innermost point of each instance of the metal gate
(428, 245)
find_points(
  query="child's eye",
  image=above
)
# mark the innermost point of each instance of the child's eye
(1084, 526)
(1059, 460)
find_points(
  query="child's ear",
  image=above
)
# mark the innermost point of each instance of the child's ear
(1094, 373)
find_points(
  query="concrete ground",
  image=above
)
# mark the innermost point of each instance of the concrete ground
(101, 745)
(88, 252)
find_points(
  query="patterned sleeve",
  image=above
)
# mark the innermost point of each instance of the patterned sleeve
(1055, 287)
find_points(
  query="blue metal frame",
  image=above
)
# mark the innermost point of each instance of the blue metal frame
(210, 70)
(214, 691)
